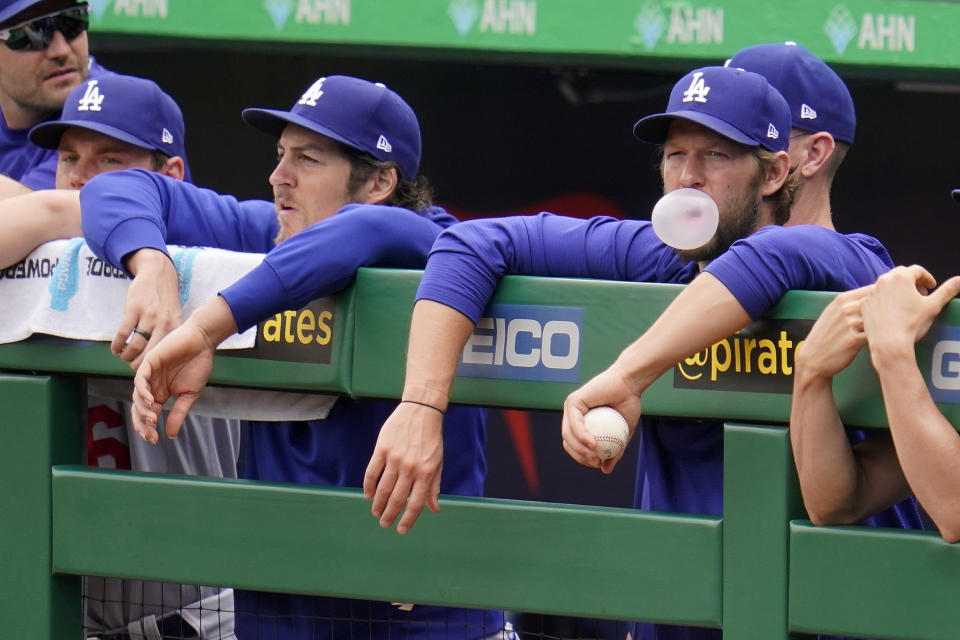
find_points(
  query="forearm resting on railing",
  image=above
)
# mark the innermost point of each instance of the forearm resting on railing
(29, 220)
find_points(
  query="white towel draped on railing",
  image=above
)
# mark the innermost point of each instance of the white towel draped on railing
(63, 289)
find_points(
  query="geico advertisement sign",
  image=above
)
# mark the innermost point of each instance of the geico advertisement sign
(525, 342)
(757, 359)
(305, 335)
(945, 364)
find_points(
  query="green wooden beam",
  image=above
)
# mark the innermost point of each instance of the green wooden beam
(877, 583)
(611, 563)
(760, 495)
(284, 357)
(42, 425)
(615, 314)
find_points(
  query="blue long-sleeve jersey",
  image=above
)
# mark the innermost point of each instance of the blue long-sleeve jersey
(467, 261)
(130, 210)
(680, 466)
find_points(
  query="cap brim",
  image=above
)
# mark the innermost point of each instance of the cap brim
(956, 195)
(654, 128)
(273, 122)
(48, 134)
(18, 7)
(14, 9)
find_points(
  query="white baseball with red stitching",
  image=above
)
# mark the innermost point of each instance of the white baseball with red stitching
(610, 430)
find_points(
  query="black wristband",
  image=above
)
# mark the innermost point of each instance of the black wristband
(424, 404)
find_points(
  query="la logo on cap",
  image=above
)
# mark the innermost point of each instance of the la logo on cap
(312, 94)
(698, 90)
(807, 113)
(91, 99)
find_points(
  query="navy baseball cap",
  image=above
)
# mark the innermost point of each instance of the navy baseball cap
(14, 8)
(737, 104)
(818, 98)
(130, 109)
(363, 115)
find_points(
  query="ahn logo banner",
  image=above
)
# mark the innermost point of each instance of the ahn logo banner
(872, 31)
(678, 23)
(525, 342)
(945, 364)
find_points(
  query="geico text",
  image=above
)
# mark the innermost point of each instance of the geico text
(541, 347)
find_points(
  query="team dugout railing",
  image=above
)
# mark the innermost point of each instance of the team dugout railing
(759, 572)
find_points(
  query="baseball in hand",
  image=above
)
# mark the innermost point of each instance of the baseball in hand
(610, 430)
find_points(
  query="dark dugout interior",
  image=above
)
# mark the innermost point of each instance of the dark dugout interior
(502, 137)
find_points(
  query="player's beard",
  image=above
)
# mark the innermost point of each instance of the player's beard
(289, 229)
(738, 219)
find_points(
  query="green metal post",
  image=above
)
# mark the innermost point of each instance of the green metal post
(760, 499)
(42, 426)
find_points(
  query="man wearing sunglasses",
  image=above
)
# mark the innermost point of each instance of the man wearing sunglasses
(43, 57)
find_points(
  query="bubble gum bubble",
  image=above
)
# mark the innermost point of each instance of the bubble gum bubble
(685, 218)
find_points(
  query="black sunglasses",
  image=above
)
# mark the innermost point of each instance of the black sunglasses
(37, 33)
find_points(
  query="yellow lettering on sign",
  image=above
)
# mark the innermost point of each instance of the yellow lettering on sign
(715, 358)
(784, 343)
(305, 323)
(299, 327)
(748, 346)
(323, 329)
(767, 362)
(272, 328)
(698, 359)
(287, 325)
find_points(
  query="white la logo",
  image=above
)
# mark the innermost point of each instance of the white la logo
(772, 132)
(807, 113)
(697, 91)
(92, 99)
(166, 136)
(384, 145)
(313, 94)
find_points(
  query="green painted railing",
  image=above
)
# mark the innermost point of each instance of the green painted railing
(759, 572)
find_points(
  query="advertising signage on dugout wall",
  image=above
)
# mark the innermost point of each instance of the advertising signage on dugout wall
(877, 33)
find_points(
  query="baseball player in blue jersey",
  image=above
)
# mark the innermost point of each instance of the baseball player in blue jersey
(823, 121)
(115, 122)
(43, 57)
(725, 132)
(111, 123)
(107, 124)
(346, 194)
(824, 124)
